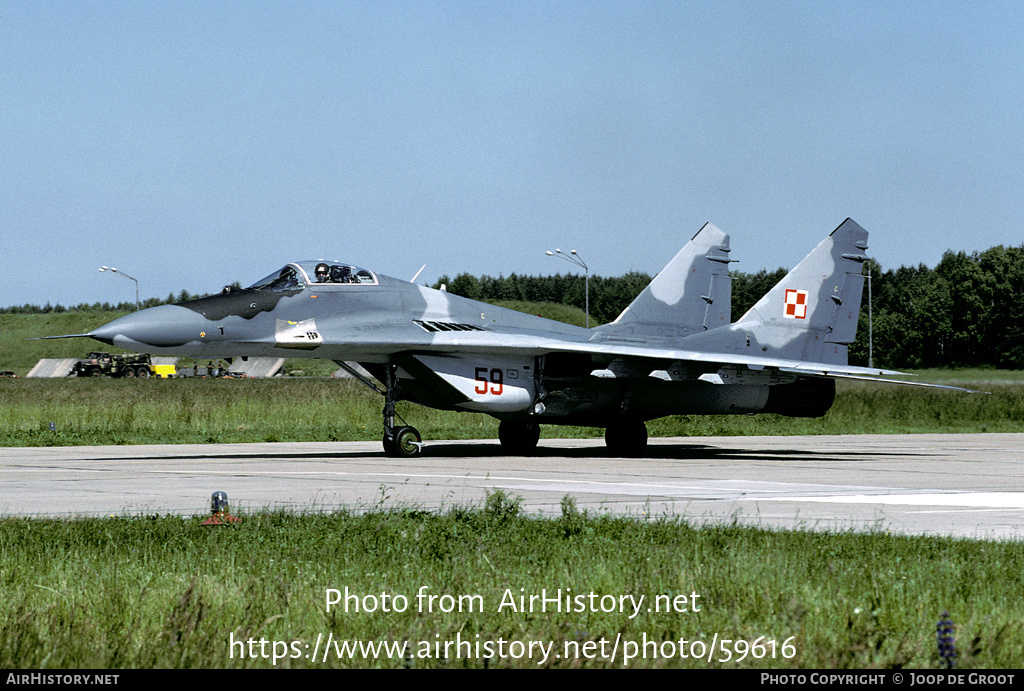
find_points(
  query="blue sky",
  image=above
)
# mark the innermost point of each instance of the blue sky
(192, 144)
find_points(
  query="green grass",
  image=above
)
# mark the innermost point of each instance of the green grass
(19, 354)
(549, 310)
(167, 592)
(966, 375)
(112, 411)
(872, 408)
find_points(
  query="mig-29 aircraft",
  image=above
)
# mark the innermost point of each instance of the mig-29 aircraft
(672, 351)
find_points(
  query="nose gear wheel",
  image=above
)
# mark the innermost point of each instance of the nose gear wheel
(403, 441)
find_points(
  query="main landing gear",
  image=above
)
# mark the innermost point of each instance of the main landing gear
(518, 438)
(402, 441)
(626, 437)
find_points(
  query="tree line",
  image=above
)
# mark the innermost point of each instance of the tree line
(966, 312)
(125, 306)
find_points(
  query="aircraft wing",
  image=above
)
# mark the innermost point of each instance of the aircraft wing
(900, 382)
(659, 358)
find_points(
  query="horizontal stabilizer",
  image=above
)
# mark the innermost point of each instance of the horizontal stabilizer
(899, 382)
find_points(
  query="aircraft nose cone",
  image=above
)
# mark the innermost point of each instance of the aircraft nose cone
(165, 326)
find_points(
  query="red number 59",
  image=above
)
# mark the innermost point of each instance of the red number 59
(492, 382)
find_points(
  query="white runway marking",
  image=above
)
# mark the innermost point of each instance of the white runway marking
(963, 485)
(992, 500)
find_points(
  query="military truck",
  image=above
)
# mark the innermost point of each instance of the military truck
(97, 364)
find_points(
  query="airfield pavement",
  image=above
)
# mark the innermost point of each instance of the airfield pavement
(966, 485)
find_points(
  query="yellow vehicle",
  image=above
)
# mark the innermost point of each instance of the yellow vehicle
(163, 371)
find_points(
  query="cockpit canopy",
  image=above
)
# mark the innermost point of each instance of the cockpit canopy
(304, 274)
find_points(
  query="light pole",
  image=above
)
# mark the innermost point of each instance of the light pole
(578, 261)
(122, 273)
(871, 354)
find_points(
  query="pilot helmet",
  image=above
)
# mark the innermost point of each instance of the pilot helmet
(322, 271)
(219, 502)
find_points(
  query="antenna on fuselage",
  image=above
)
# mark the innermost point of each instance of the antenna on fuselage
(413, 279)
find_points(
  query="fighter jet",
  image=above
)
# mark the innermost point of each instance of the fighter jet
(672, 351)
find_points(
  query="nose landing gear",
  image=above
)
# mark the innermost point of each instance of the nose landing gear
(402, 441)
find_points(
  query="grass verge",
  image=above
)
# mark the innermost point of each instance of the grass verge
(87, 411)
(156, 591)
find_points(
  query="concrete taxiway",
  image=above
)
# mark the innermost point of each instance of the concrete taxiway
(956, 484)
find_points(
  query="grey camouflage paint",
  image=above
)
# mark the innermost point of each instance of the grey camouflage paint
(671, 351)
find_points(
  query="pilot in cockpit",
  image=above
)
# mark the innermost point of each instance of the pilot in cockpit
(323, 273)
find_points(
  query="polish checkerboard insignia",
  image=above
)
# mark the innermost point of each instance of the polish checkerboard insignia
(796, 304)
